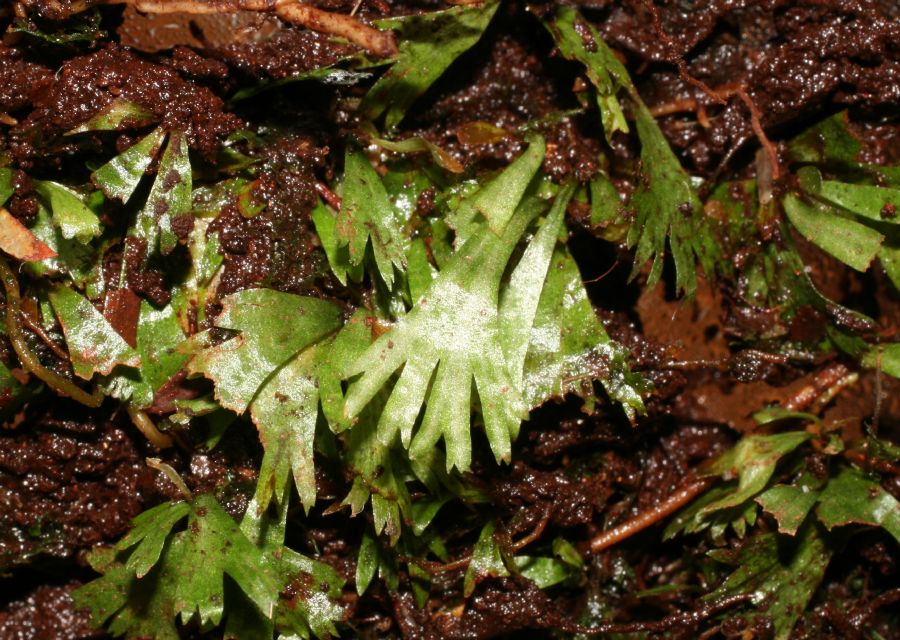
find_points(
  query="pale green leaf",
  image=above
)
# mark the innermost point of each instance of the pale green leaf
(70, 214)
(72, 258)
(119, 177)
(94, 346)
(285, 412)
(487, 561)
(497, 200)
(170, 197)
(852, 243)
(273, 327)
(118, 114)
(377, 476)
(886, 358)
(569, 348)
(211, 546)
(453, 332)
(367, 213)
(603, 70)
(519, 301)
(338, 254)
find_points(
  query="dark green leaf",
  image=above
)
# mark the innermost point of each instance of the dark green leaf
(665, 203)
(487, 560)
(7, 188)
(790, 504)
(159, 338)
(753, 462)
(850, 497)
(850, 242)
(780, 576)
(828, 141)
(366, 563)
(429, 43)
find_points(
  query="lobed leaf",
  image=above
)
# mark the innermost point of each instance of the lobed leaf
(273, 327)
(850, 497)
(665, 204)
(163, 351)
(753, 462)
(367, 214)
(779, 575)
(70, 214)
(454, 333)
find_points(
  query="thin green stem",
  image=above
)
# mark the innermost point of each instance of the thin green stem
(26, 356)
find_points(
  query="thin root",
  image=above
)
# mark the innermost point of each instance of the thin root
(647, 519)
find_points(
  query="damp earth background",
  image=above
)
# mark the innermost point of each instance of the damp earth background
(730, 86)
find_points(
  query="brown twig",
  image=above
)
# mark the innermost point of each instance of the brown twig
(379, 43)
(332, 199)
(648, 518)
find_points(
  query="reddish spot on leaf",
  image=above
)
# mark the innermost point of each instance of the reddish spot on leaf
(121, 309)
(18, 241)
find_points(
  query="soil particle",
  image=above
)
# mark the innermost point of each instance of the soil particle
(568, 501)
(497, 608)
(277, 246)
(507, 82)
(20, 81)
(795, 61)
(47, 613)
(87, 84)
(22, 204)
(286, 53)
(146, 282)
(66, 486)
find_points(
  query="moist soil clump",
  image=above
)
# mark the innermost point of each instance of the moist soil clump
(729, 85)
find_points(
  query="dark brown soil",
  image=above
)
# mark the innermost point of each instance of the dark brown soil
(72, 478)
